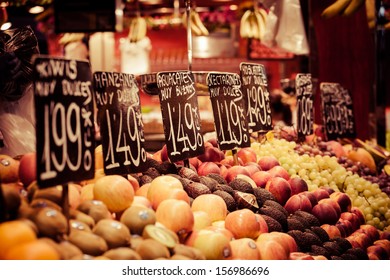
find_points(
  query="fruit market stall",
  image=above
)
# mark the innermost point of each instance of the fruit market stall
(244, 188)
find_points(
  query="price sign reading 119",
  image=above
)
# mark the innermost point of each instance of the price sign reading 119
(64, 120)
(305, 106)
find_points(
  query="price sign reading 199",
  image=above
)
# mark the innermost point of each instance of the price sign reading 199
(64, 120)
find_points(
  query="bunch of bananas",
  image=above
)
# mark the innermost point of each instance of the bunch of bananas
(342, 7)
(137, 30)
(252, 24)
(197, 26)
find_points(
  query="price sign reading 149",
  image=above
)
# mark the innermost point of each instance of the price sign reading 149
(121, 124)
(180, 114)
(64, 121)
(305, 109)
(256, 95)
(229, 110)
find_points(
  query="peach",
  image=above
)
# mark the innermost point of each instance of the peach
(208, 167)
(213, 244)
(244, 249)
(243, 223)
(352, 218)
(298, 185)
(343, 200)
(280, 188)
(233, 171)
(331, 230)
(279, 171)
(325, 213)
(28, 169)
(267, 162)
(212, 204)
(252, 167)
(261, 178)
(247, 155)
(320, 194)
(298, 202)
(310, 195)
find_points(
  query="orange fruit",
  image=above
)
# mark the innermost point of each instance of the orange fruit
(13, 233)
(32, 250)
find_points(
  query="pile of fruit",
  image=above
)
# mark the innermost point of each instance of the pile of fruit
(277, 199)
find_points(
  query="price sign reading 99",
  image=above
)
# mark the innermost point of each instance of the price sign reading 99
(117, 98)
(305, 107)
(337, 111)
(256, 96)
(229, 110)
(180, 114)
(64, 121)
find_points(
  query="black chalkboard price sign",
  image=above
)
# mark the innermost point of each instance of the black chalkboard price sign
(256, 95)
(229, 111)
(64, 120)
(305, 107)
(119, 113)
(180, 114)
(337, 110)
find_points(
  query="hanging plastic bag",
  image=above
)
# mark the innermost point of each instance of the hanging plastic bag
(271, 26)
(291, 35)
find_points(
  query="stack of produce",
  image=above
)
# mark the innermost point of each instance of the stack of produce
(277, 199)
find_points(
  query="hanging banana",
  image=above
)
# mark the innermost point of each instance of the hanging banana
(252, 24)
(197, 26)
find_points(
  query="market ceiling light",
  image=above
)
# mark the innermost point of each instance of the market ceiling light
(5, 26)
(36, 10)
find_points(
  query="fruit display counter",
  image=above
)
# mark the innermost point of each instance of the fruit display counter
(275, 200)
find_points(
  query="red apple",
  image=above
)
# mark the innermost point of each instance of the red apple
(280, 188)
(279, 171)
(298, 185)
(233, 171)
(208, 167)
(320, 194)
(267, 162)
(298, 202)
(28, 169)
(247, 154)
(325, 213)
(343, 200)
(261, 178)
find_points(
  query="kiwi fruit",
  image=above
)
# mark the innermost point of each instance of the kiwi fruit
(241, 185)
(273, 225)
(262, 195)
(195, 189)
(95, 209)
(229, 200)
(136, 217)
(68, 250)
(78, 225)
(12, 200)
(150, 249)
(122, 253)
(31, 189)
(53, 194)
(115, 233)
(88, 242)
(43, 202)
(135, 241)
(218, 178)
(275, 214)
(161, 235)
(50, 222)
(82, 217)
(179, 257)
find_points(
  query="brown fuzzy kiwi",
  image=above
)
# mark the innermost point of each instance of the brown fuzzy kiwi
(88, 242)
(12, 200)
(135, 241)
(78, 225)
(31, 189)
(150, 249)
(82, 217)
(43, 202)
(188, 251)
(53, 193)
(96, 209)
(50, 222)
(136, 217)
(115, 233)
(122, 253)
(179, 257)
(162, 235)
(67, 250)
